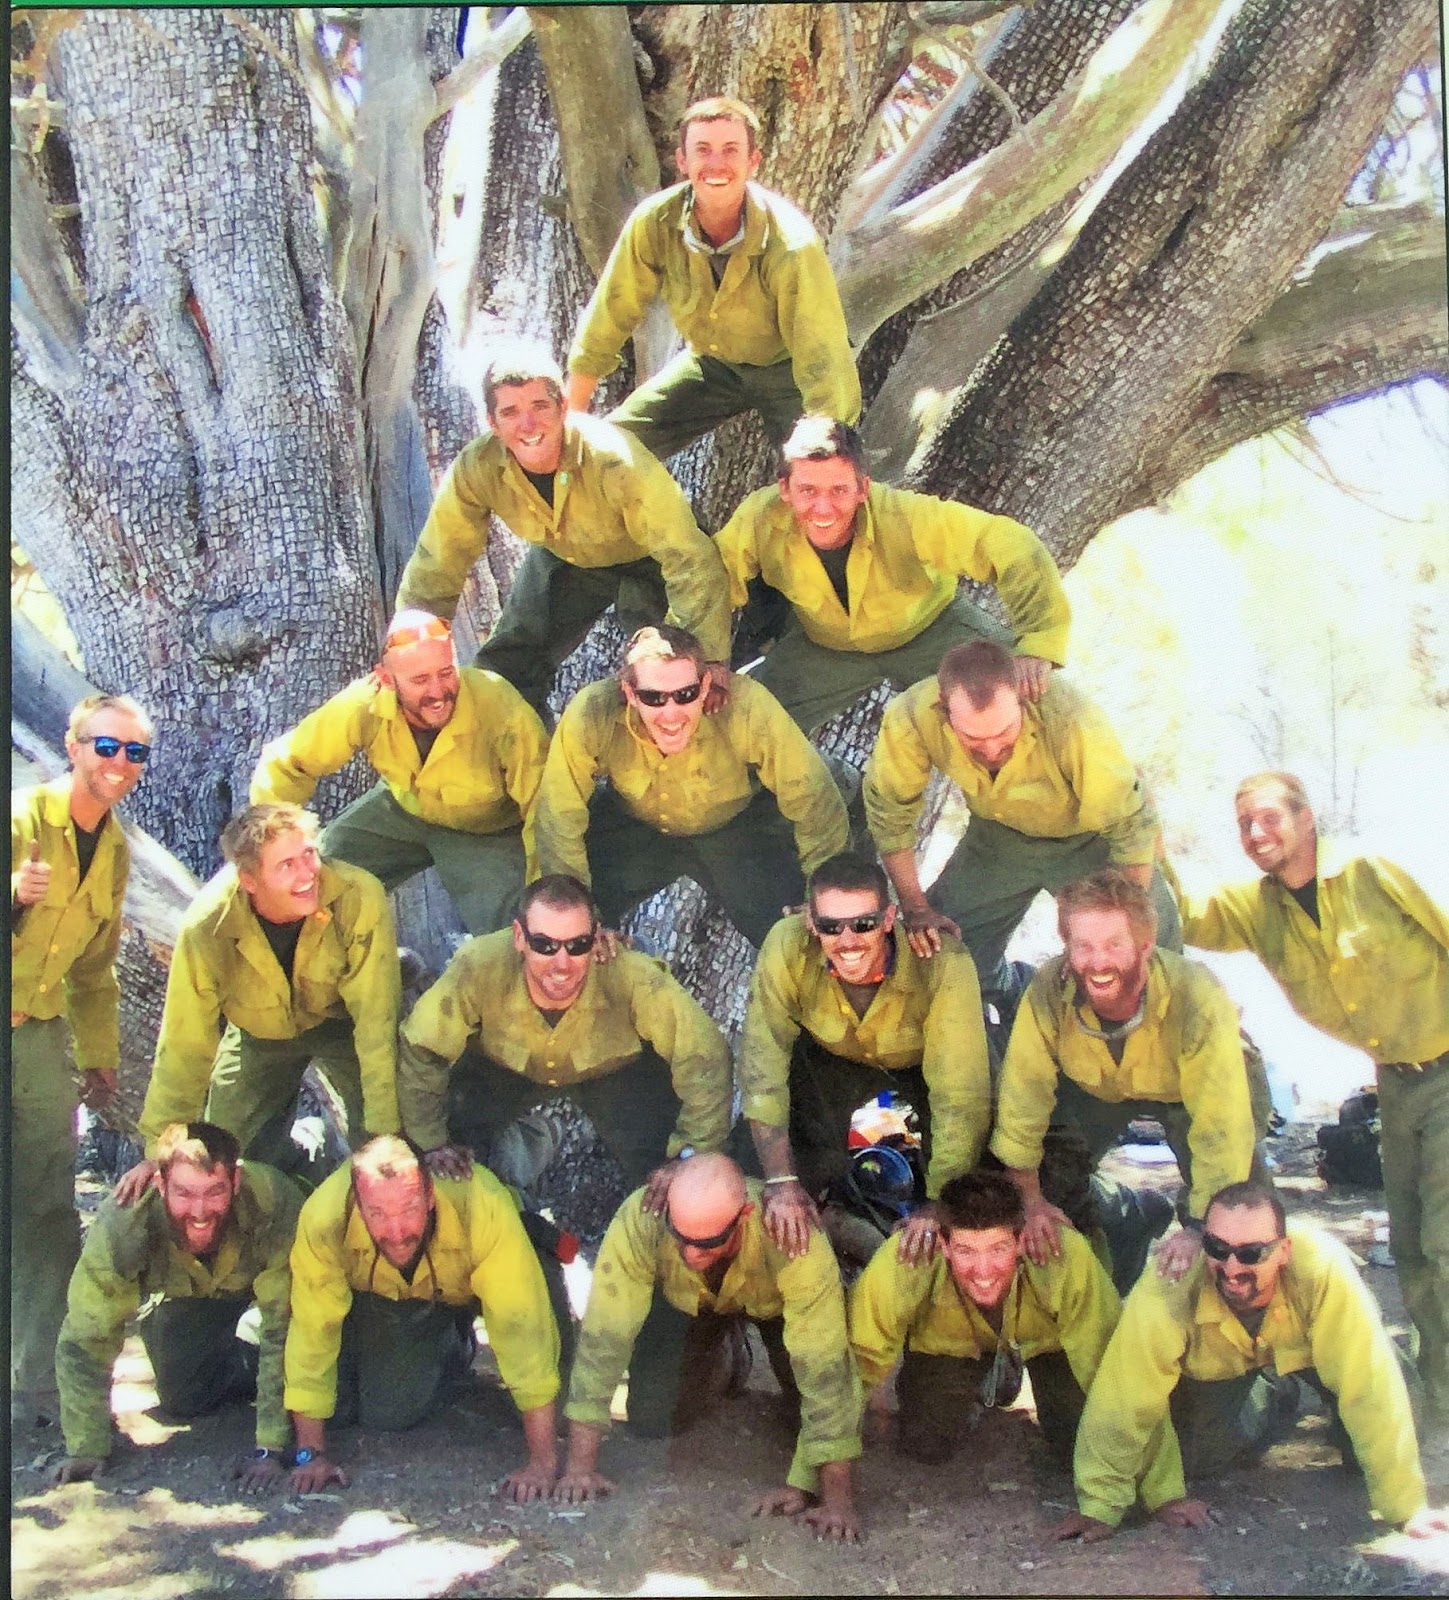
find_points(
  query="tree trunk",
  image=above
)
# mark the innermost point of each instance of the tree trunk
(194, 498)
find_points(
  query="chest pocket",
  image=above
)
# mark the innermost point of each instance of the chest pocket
(317, 983)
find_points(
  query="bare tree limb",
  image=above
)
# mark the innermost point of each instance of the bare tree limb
(498, 44)
(47, 308)
(886, 263)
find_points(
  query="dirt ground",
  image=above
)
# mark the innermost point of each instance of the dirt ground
(420, 1517)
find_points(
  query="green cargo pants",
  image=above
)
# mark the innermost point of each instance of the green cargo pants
(1414, 1145)
(633, 1108)
(940, 1399)
(551, 607)
(399, 1358)
(814, 684)
(681, 1366)
(750, 865)
(44, 1229)
(825, 1090)
(482, 872)
(254, 1084)
(693, 395)
(199, 1361)
(995, 873)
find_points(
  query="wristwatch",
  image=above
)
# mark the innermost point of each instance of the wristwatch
(684, 1152)
(300, 1458)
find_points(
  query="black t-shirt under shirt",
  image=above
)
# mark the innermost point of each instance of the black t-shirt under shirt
(834, 562)
(283, 936)
(543, 482)
(86, 842)
(424, 739)
(1307, 897)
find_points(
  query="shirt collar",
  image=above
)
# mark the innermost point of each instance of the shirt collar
(753, 234)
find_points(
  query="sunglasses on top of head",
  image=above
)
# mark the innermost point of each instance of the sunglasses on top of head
(1249, 1254)
(137, 754)
(654, 698)
(542, 945)
(831, 926)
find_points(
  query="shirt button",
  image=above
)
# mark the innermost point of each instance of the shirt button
(1353, 1005)
(55, 949)
(44, 987)
(1373, 1044)
(714, 347)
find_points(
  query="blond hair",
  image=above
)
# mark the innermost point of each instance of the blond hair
(249, 832)
(203, 1145)
(718, 108)
(83, 710)
(388, 1156)
(1110, 889)
(1291, 785)
(660, 642)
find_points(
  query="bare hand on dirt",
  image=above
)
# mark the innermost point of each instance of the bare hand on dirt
(533, 1481)
(1087, 1529)
(259, 1474)
(74, 1469)
(574, 1488)
(316, 1474)
(1185, 1513)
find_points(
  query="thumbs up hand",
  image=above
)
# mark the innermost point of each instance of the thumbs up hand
(32, 882)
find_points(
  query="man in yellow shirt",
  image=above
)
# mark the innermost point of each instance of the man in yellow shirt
(1362, 952)
(670, 1295)
(1221, 1353)
(737, 799)
(459, 754)
(970, 1318)
(1113, 1029)
(606, 523)
(747, 283)
(68, 868)
(1051, 792)
(389, 1269)
(282, 959)
(213, 1239)
(872, 574)
(841, 1008)
(528, 1014)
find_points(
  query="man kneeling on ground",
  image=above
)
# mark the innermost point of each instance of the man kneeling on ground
(388, 1271)
(211, 1238)
(668, 1298)
(1219, 1357)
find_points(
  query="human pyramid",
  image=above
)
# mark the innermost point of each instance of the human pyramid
(368, 1277)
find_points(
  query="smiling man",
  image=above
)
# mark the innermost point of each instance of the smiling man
(969, 1320)
(747, 284)
(1362, 952)
(872, 574)
(529, 1013)
(841, 1008)
(1221, 1354)
(643, 786)
(389, 1269)
(670, 1297)
(212, 1239)
(282, 959)
(606, 523)
(1051, 792)
(459, 752)
(68, 869)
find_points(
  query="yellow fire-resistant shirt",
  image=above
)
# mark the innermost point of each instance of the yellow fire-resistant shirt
(907, 555)
(130, 1256)
(1374, 972)
(478, 1251)
(925, 1014)
(480, 775)
(776, 301)
(626, 1003)
(749, 744)
(1068, 774)
(762, 1282)
(1186, 1051)
(612, 503)
(223, 970)
(1321, 1316)
(63, 948)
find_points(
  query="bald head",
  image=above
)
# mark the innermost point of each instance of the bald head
(706, 1195)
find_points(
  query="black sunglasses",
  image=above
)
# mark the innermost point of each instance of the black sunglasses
(654, 698)
(542, 945)
(712, 1243)
(830, 926)
(1249, 1254)
(137, 754)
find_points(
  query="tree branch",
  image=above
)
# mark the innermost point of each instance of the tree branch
(498, 44)
(47, 308)
(885, 264)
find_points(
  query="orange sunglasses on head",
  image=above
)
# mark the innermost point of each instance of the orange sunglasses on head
(401, 638)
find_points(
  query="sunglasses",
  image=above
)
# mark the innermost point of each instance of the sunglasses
(1249, 1254)
(654, 698)
(831, 926)
(542, 945)
(137, 754)
(714, 1241)
(401, 638)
